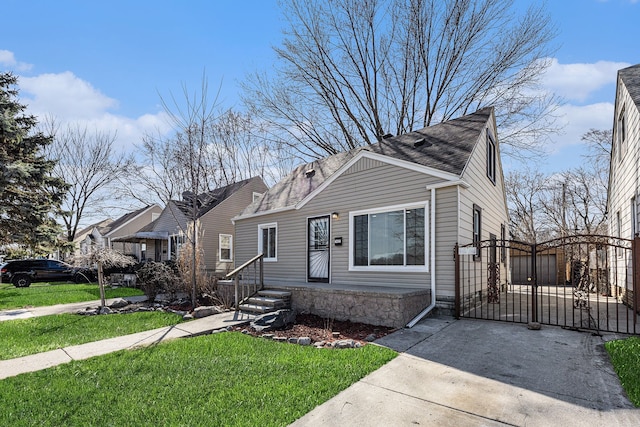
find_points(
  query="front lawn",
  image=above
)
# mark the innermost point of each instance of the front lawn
(225, 379)
(625, 357)
(43, 294)
(22, 337)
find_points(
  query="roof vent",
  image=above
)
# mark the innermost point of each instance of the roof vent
(419, 143)
(310, 172)
(387, 135)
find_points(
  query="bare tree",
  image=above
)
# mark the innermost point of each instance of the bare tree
(352, 71)
(87, 161)
(525, 190)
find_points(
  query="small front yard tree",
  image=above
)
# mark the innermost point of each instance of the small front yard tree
(104, 258)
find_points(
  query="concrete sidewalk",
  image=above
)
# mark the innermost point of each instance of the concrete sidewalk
(482, 373)
(36, 362)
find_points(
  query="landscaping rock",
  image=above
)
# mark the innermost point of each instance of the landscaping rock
(304, 341)
(371, 338)
(272, 321)
(293, 340)
(187, 316)
(344, 344)
(119, 303)
(205, 311)
(105, 310)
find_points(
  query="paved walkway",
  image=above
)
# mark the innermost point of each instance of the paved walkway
(485, 373)
(449, 373)
(36, 362)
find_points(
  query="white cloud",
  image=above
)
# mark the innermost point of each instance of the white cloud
(65, 95)
(578, 120)
(576, 82)
(71, 100)
(7, 59)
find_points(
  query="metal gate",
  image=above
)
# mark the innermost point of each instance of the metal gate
(580, 282)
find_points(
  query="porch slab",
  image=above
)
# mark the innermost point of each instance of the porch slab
(375, 305)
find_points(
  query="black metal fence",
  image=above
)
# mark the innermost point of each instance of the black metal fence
(581, 282)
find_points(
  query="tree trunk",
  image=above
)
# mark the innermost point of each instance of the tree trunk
(103, 301)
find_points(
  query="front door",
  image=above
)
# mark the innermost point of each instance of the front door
(318, 249)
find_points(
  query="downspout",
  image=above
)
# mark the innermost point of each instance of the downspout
(432, 257)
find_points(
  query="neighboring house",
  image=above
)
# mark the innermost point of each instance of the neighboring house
(163, 238)
(103, 236)
(624, 171)
(368, 235)
(80, 243)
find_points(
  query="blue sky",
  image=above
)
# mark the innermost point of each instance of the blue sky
(107, 63)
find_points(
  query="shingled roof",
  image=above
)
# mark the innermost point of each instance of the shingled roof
(446, 147)
(114, 225)
(630, 76)
(210, 199)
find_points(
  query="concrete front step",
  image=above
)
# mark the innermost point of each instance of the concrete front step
(268, 300)
(275, 303)
(273, 293)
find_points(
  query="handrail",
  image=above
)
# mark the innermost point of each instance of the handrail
(235, 274)
(243, 266)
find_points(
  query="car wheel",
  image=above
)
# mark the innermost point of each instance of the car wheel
(21, 281)
(80, 278)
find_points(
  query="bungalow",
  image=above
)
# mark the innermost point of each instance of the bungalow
(162, 239)
(368, 235)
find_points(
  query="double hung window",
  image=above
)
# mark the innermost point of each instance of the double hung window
(268, 241)
(389, 238)
(225, 244)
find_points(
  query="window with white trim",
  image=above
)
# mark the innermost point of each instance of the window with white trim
(268, 241)
(392, 238)
(225, 247)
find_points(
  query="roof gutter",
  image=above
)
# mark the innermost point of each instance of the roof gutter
(432, 257)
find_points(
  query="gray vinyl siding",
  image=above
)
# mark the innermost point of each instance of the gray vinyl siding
(446, 235)
(625, 165)
(218, 221)
(483, 193)
(368, 184)
(624, 181)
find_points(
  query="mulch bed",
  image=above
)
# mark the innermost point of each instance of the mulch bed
(319, 329)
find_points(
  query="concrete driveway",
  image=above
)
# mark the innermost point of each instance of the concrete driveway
(484, 373)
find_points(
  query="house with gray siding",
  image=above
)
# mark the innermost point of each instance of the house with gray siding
(623, 197)
(105, 235)
(163, 239)
(368, 235)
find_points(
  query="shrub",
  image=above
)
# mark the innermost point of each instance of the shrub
(155, 278)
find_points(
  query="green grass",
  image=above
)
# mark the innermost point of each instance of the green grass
(226, 379)
(43, 294)
(625, 356)
(22, 337)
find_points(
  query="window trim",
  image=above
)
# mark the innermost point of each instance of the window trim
(477, 240)
(491, 157)
(220, 258)
(391, 268)
(267, 226)
(621, 132)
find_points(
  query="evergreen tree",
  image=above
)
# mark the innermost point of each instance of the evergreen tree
(29, 195)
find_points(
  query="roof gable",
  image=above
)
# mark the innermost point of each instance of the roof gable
(630, 76)
(211, 199)
(441, 150)
(123, 220)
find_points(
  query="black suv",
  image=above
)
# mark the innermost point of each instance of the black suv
(22, 272)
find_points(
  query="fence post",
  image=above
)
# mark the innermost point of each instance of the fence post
(534, 284)
(635, 254)
(456, 259)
